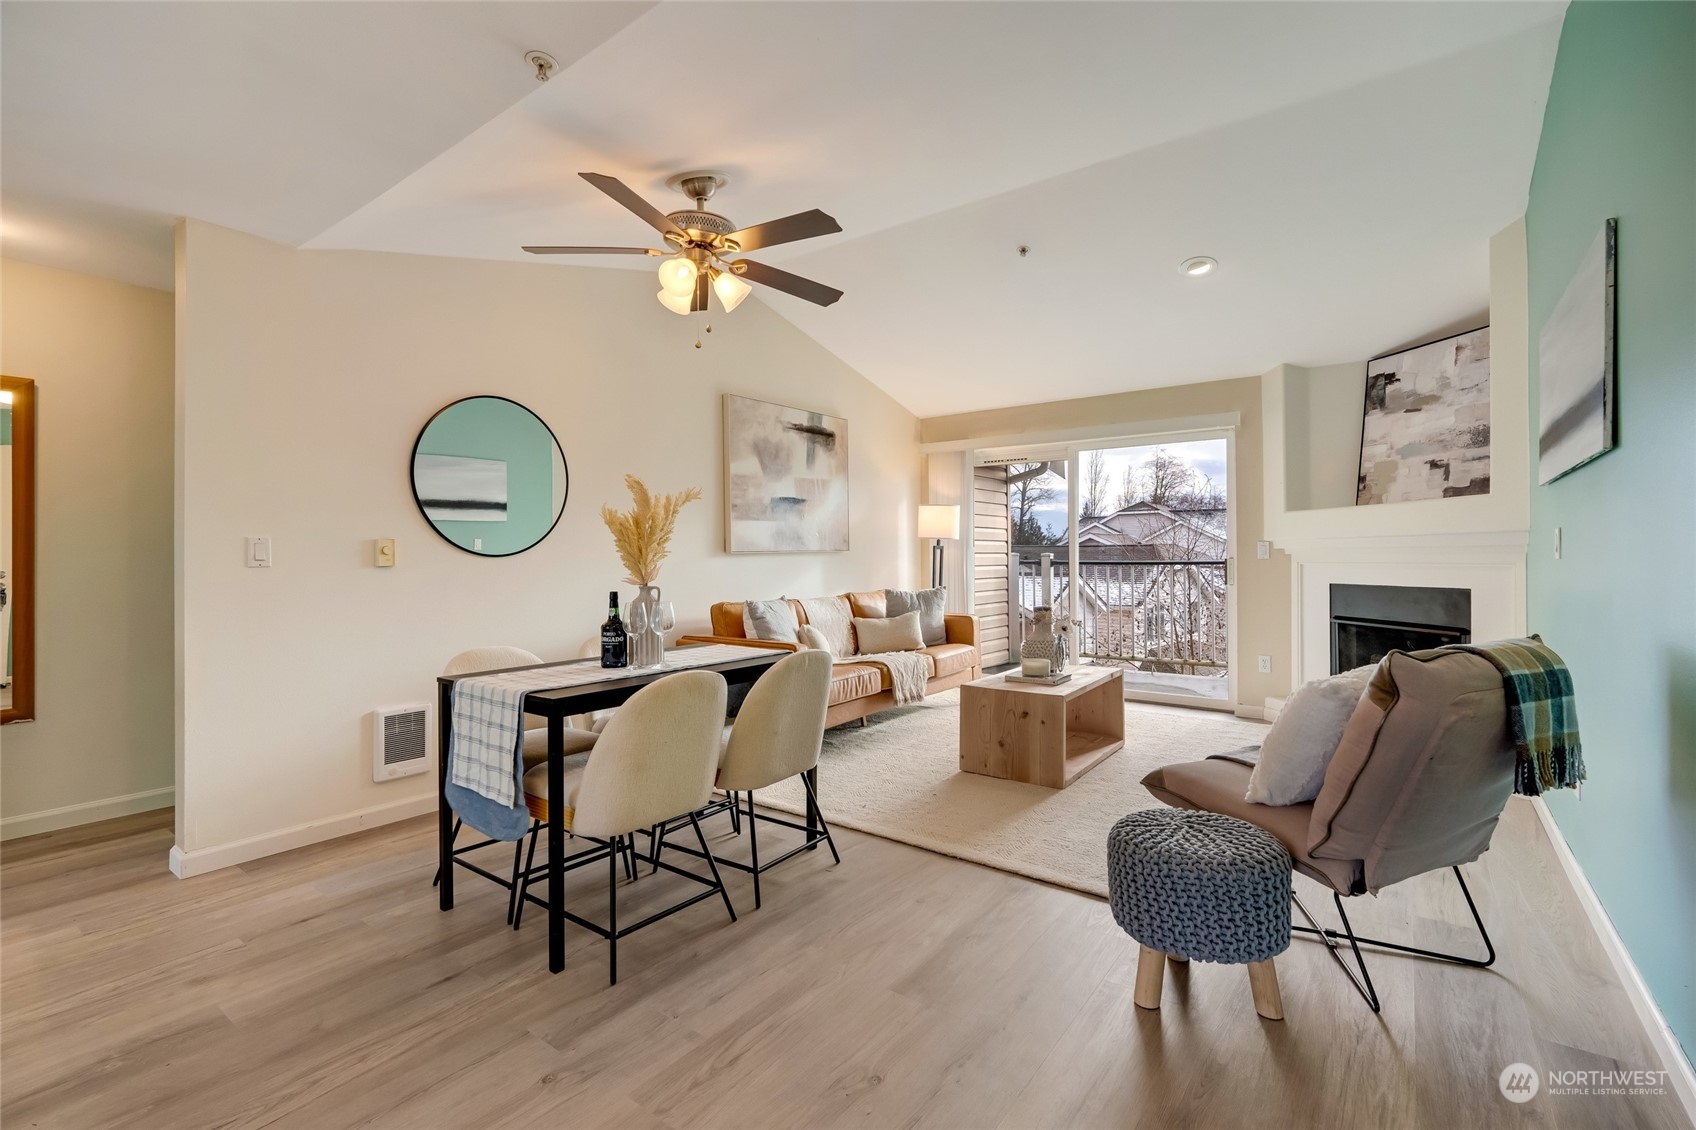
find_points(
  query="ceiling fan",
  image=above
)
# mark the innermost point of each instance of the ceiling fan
(701, 243)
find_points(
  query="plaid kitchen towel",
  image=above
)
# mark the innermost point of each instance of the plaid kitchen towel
(1542, 713)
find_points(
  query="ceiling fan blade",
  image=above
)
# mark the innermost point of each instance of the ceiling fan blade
(591, 251)
(622, 193)
(802, 225)
(702, 282)
(786, 282)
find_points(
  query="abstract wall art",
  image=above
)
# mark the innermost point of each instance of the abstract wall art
(454, 488)
(1575, 367)
(1425, 431)
(786, 479)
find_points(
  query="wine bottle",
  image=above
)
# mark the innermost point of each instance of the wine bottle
(615, 641)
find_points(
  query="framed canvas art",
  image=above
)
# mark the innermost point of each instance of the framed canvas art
(786, 479)
(1575, 367)
(1425, 430)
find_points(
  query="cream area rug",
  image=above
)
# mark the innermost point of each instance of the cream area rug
(900, 778)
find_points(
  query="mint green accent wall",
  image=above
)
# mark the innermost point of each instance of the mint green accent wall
(1619, 139)
(491, 428)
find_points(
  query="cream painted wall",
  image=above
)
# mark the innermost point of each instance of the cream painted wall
(100, 354)
(303, 379)
(1313, 436)
(1263, 587)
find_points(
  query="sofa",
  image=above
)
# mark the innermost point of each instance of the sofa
(861, 689)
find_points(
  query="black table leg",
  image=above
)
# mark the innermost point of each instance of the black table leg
(444, 813)
(812, 776)
(556, 844)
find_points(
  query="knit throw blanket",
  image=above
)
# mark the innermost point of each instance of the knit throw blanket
(908, 673)
(1542, 713)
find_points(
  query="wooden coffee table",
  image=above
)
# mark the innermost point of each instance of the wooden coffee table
(1041, 735)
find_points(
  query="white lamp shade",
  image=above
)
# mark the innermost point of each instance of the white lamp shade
(939, 522)
(677, 276)
(730, 290)
(676, 303)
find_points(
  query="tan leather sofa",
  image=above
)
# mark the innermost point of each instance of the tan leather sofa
(860, 689)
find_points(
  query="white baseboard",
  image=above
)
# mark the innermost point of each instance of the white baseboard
(88, 812)
(1253, 713)
(1648, 1013)
(187, 864)
(1274, 707)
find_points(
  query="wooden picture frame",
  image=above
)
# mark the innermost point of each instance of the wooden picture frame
(20, 583)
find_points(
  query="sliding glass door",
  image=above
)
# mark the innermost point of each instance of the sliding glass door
(1149, 542)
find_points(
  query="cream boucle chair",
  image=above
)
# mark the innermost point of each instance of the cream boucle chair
(534, 751)
(654, 762)
(777, 735)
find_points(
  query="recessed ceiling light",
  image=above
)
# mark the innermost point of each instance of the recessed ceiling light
(1199, 265)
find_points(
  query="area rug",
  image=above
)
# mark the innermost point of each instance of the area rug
(899, 777)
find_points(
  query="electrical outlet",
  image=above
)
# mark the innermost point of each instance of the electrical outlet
(1265, 664)
(476, 543)
(1263, 550)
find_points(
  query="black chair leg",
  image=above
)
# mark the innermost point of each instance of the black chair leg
(613, 853)
(736, 814)
(707, 853)
(813, 800)
(754, 846)
(457, 824)
(521, 879)
(656, 842)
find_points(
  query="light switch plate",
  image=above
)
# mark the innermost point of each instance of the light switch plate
(385, 553)
(259, 553)
(1557, 543)
(1263, 550)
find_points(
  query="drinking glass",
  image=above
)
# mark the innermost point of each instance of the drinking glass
(636, 624)
(664, 619)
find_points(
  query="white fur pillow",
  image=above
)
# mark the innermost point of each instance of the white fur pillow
(811, 639)
(1298, 750)
(896, 633)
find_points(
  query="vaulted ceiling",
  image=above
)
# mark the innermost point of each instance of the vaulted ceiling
(1345, 163)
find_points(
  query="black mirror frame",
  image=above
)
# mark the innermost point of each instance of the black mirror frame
(411, 476)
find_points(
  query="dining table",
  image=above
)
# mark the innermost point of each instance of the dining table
(583, 691)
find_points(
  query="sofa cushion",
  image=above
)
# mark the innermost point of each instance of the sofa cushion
(1218, 786)
(951, 659)
(896, 633)
(726, 616)
(928, 603)
(770, 620)
(849, 681)
(870, 605)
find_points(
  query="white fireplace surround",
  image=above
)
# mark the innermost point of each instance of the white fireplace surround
(1491, 566)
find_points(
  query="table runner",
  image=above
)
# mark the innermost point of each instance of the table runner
(488, 713)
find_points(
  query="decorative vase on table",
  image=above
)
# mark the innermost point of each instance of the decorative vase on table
(1042, 642)
(647, 630)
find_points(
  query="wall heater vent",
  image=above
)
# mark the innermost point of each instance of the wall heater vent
(400, 741)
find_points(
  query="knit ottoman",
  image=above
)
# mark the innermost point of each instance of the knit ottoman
(1205, 886)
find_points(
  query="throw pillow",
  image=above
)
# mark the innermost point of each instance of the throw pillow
(769, 620)
(811, 639)
(834, 620)
(1298, 749)
(928, 603)
(894, 633)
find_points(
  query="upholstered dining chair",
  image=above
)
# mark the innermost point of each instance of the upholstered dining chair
(534, 751)
(1424, 769)
(777, 735)
(654, 762)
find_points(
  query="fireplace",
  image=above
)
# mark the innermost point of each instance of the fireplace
(1370, 621)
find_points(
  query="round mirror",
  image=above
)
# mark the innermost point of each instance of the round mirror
(489, 476)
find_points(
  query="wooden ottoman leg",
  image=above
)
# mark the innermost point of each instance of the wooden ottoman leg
(1151, 974)
(1263, 982)
(1176, 960)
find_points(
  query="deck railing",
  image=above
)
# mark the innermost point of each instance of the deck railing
(1167, 616)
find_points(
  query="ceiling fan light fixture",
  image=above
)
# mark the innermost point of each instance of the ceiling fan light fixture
(677, 276)
(1198, 266)
(730, 290)
(676, 303)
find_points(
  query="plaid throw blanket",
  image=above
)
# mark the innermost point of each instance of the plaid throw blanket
(1542, 713)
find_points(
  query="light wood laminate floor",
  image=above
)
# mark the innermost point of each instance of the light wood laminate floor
(322, 989)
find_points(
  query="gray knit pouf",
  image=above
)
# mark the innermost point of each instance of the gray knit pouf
(1199, 885)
